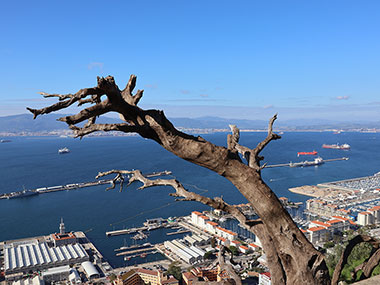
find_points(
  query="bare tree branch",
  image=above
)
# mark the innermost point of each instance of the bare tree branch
(180, 191)
(227, 266)
(126, 128)
(63, 103)
(251, 155)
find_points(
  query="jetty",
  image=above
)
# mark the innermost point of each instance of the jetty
(305, 163)
(178, 232)
(71, 186)
(126, 231)
(134, 251)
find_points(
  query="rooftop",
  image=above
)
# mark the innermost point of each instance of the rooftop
(315, 229)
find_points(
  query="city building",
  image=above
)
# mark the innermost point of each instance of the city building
(90, 270)
(265, 278)
(36, 255)
(141, 276)
(365, 219)
(375, 212)
(318, 234)
(253, 246)
(189, 278)
(36, 280)
(243, 249)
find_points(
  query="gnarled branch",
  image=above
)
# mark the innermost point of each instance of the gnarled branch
(346, 253)
(180, 191)
(251, 155)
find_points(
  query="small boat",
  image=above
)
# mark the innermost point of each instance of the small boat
(63, 150)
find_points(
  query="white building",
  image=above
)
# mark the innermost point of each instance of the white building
(179, 252)
(90, 270)
(375, 211)
(33, 255)
(318, 234)
(265, 278)
(365, 218)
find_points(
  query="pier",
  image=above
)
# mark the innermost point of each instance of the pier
(72, 186)
(290, 164)
(126, 231)
(178, 232)
(131, 252)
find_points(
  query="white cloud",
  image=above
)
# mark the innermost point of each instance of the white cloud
(342, 97)
(93, 65)
(151, 86)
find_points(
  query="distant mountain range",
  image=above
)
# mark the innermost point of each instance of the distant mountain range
(47, 123)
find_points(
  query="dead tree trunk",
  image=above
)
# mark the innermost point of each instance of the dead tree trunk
(291, 257)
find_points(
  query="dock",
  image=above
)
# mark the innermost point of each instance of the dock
(71, 186)
(178, 232)
(131, 252)
(290, 164)
(126, 231)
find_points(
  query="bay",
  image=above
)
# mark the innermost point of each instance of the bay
(33, 162)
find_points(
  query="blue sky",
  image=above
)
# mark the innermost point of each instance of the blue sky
(235, 59)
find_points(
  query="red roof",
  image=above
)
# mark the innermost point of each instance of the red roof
(63, 236)
(334, 221)
(171, 279)
(344, 211)
(146, 271)
(340, 218)
(244, 247)
(253, 245)
(212, 223)
(352, 222)
(189, 275)
(365, 213)
(197, 213)
(314, 229)
(266, 274)
(321, 224)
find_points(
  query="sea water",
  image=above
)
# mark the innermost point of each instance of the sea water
(34, 162)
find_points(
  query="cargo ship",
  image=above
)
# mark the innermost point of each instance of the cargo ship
(307, 153)
(315, 162)
(337, 146)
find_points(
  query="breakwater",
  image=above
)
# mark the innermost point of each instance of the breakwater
(43, 190)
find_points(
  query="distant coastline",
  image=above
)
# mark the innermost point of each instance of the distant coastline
(47, 125)
(68, 133)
